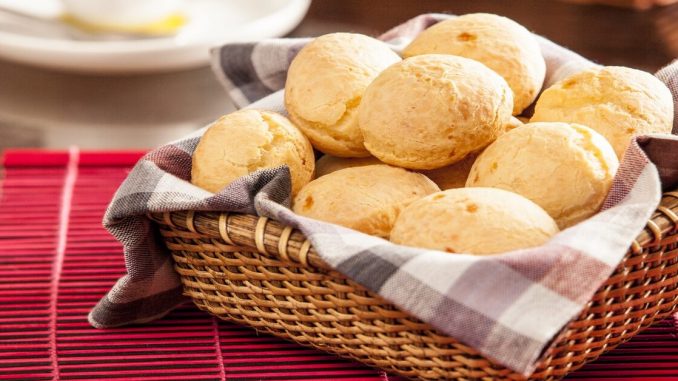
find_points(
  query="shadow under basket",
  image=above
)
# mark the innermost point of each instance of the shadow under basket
(257, 272)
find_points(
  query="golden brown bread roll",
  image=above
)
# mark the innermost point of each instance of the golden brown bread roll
(498, 42)
(473, 221)
(367, 198)
(618, 102)
(325, 84)
(567, 169)
(433, 110)
(245, 141)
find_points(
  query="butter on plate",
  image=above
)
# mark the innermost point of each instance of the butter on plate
(150, 17)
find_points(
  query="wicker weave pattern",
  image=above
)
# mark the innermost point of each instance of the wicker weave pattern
(256, 272)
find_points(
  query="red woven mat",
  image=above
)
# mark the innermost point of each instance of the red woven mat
(56, 261)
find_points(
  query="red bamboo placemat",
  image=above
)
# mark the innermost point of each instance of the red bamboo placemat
(56, 261)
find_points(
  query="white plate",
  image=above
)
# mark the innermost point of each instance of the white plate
(212, 22)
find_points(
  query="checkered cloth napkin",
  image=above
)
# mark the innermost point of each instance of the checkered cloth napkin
(508, 307)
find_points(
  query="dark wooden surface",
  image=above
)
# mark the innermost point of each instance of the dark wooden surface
(608, 35)
(52, 109)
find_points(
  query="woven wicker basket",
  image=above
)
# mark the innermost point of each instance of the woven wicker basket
(255, 271)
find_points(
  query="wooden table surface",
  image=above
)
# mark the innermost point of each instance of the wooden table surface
(608, 35)
(42, 108)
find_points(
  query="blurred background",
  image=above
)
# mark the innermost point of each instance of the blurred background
(51, 99)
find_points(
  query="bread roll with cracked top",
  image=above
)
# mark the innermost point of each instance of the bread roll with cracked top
(473, 221)
(567, 169)
(618, 102)
(498, 42)
(248, 140)
(367, 198)
(325, 85)
(433, 110)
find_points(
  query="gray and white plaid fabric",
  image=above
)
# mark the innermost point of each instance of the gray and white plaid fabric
(508, 307)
